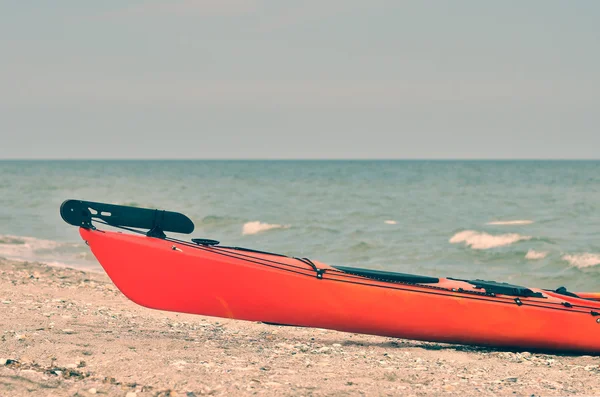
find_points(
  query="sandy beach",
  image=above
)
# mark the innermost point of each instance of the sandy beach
(67, 332)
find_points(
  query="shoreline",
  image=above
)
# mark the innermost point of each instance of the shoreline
(70, 332)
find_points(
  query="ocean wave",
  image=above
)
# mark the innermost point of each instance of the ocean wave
(217, 220)
(11, 240)
(131, 204)
(51, 252)
(481, 240)
(510, 223)
(21, 246)
(361, 246)
(255, 227)
(321, 228)
(390, 222)
(582, 261)
(94, 269)
(532, 254)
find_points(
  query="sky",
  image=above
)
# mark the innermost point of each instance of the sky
(395, 79)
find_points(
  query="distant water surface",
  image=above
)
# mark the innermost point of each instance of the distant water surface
(528, 222)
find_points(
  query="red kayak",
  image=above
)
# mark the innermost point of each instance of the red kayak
(202, 277)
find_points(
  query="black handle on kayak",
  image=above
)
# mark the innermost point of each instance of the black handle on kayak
(80, 213)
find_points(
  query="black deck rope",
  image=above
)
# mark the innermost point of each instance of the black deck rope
(310, 263)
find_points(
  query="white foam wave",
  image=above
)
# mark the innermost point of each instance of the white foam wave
(20, 247)
(390, 222)
(481, 240)
(50, 252)
(582, 260)
(532, 254)
(509, 223)
(255, 227)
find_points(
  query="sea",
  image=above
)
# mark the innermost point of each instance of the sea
(533, 223)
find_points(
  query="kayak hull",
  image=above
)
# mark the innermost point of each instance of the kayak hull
(180, 277)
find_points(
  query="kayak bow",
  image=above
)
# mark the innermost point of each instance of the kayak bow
(203, 277)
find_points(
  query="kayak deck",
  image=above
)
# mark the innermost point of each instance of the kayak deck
(222, 282)
(202, 277)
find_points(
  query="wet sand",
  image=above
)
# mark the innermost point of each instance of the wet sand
(66, 332)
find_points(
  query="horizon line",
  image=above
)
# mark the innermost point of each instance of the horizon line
(301, 159)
